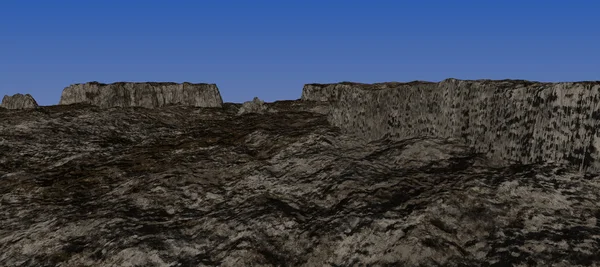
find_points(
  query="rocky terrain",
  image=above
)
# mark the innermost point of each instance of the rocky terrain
(276, 184)
(18, 101)
(149, 94)
(515, 120)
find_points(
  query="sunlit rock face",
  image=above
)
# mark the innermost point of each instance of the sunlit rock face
(512, 120)
(18, 101)
(148, 94)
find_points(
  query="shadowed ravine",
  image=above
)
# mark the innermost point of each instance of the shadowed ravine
(190, 186)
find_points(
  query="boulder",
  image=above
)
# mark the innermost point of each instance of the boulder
(254, 106)
(18, 101)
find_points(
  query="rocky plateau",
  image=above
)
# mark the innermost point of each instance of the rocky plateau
(456, 173)
(148, 94)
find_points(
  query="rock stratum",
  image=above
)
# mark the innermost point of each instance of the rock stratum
(149, 94)
(277, 184)
(510, 120)
(18, 101)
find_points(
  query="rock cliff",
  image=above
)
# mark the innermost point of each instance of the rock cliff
(18, 101)
(149, 94)
(511, 120)
(184, 186)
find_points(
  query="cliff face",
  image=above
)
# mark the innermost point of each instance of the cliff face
(509, 119)
(147, 94)
(18, 101)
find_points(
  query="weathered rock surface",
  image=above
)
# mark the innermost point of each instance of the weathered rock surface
(511, 120)
(18, 101)
(254, 106)
(149, 94)
(185, 186)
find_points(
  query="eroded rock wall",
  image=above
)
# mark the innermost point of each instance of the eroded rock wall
(18, 101)
(149, 95)
(511, 120)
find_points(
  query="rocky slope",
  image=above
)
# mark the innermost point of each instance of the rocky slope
(149, 94)
(18, 101)
(511, 120)
(187, 186)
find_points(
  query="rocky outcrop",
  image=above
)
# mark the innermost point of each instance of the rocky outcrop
(183, 186)
(148, 94)
(511, 120)
(18, 101)
(254, 106)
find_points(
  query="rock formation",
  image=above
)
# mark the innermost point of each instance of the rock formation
(507, 119)
(18, 101)
(254, 106)
(149, 94)
(178, 185)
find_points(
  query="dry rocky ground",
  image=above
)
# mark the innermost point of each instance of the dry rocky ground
(185, 186)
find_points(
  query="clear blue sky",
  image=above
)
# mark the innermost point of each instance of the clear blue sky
(270, 49)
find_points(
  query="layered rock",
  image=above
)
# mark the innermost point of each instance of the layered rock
(182, 186)
(148, 94)
(18, 101)
(512, 120)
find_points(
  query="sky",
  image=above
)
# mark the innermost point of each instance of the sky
(270, 49)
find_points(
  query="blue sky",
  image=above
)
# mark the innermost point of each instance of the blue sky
(270, 49)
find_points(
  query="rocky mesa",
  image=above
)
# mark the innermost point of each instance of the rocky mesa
(510, 120)
(18, 101)
(147, 94)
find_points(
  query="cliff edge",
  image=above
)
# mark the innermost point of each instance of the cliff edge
(148, 94)
(512, 120)
(18, 101)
